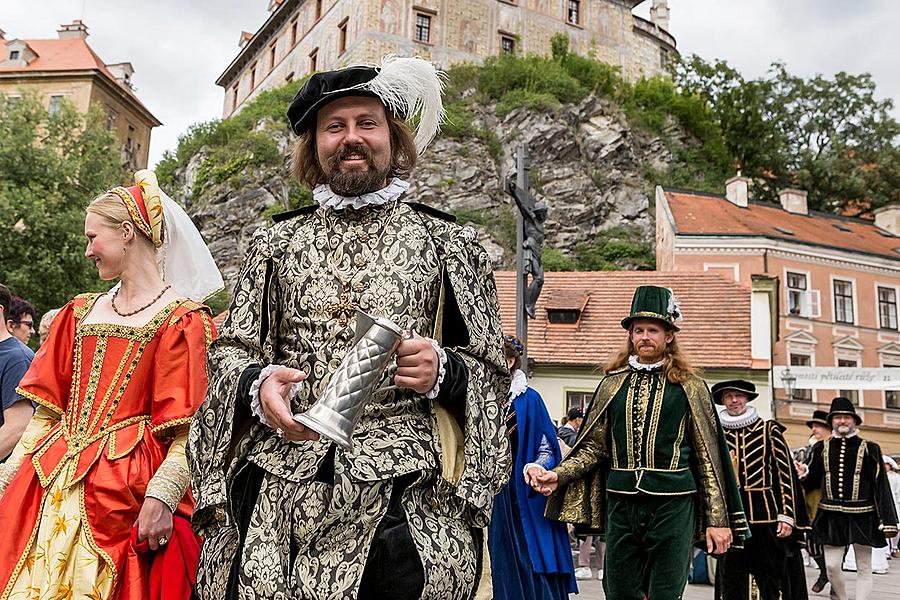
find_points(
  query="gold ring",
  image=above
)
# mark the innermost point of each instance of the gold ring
(163, 540)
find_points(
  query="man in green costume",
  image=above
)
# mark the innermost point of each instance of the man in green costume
(650, 467)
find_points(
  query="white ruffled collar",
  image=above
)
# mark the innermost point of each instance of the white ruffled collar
(518, 385)
(748, 417)
(328, 199)
(639, 366)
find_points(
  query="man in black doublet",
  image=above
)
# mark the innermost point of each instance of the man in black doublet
(856, 507)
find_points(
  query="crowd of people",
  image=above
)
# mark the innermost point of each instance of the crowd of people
(147, 455)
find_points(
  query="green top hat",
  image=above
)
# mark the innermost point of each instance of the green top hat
(654, 302)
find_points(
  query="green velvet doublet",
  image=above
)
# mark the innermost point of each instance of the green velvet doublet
(644, 435)
(649, 449)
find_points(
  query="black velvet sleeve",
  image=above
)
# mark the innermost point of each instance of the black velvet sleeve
(456, 381)
(247, 378)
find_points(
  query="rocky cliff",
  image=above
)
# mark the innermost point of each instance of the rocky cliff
(588, 164)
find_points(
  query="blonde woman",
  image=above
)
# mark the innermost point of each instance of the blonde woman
(100, 472)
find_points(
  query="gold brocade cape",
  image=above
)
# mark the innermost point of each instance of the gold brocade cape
(406, 262)
(582, 501)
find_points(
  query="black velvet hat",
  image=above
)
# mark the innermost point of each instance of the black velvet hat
(738, 385)
(322, 88)
(843, 406)
(820, 417)
(409, 88)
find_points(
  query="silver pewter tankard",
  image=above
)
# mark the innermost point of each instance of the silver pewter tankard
(341, 405)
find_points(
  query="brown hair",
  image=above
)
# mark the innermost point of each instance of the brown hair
(111, 208)
(305, 163)
(509, 351)
(677, 368)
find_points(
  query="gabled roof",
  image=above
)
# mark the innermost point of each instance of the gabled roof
(715, 331)
(70, 54)
(699, 214)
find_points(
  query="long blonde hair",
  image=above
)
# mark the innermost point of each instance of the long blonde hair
(677, 368)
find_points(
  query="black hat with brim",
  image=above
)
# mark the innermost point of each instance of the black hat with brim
(820, 417)
(322, 88)
(738, 385)
(843, 406)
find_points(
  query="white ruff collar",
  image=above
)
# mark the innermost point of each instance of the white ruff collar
(518, 385)
(748, 417)
(639, 366)
(328, 199)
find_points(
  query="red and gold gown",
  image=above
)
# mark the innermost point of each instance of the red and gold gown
(114, 402)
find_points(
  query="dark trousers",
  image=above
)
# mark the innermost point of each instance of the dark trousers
(764, 557)
(648, 546)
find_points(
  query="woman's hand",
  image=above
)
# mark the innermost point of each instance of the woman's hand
(154, 523)
(542, 481)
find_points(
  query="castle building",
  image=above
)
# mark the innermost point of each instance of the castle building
(303, 36)
(837, 281)
(68, 69)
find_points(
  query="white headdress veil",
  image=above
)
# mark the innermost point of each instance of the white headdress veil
(184, 261)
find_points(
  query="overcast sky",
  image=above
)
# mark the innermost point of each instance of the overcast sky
(180, 47)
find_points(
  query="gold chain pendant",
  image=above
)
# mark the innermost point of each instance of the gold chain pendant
(344, 308)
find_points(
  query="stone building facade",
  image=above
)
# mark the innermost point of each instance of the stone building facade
(303, 36)
(68, 69)
(838, 287)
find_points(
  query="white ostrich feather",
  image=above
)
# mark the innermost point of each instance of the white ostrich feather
(411, 87)
(673, 308)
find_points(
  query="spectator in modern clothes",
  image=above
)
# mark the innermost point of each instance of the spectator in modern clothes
(20, 319)
(569, 431)
(15, 358)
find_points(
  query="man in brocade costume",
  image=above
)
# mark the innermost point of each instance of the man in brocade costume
(856, 506)
(650, 467)
(772, 499)
(401, 514)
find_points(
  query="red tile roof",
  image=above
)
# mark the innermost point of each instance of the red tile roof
(70, 54)
(715, 331)
(707, 214)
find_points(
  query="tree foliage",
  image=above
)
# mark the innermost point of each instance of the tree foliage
(51, 166)
(830, 136)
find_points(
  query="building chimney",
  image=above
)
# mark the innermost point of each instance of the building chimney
(246, 36)
(793, 201)
(2, 35)
(122, 72)
(75, 29)
(888, 218)
(659, 14)
(274, 5)
(736, 190)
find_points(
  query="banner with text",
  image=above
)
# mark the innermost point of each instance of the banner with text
(841, 378)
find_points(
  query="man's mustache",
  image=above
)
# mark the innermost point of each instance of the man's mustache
(347, 152)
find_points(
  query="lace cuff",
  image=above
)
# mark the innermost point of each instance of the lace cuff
(169, 483)
(255, 405)
(442, 363)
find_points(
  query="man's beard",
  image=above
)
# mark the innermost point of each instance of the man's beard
(845, 430)
(355, 182)
(656, 352)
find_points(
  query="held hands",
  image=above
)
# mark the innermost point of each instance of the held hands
(273, 398)
(154, 523)
(541, 480)
(417, 364)
(718, 540)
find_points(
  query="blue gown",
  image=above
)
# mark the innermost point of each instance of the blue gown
(531, 558)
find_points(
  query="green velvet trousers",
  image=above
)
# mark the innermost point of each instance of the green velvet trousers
(648, 546)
